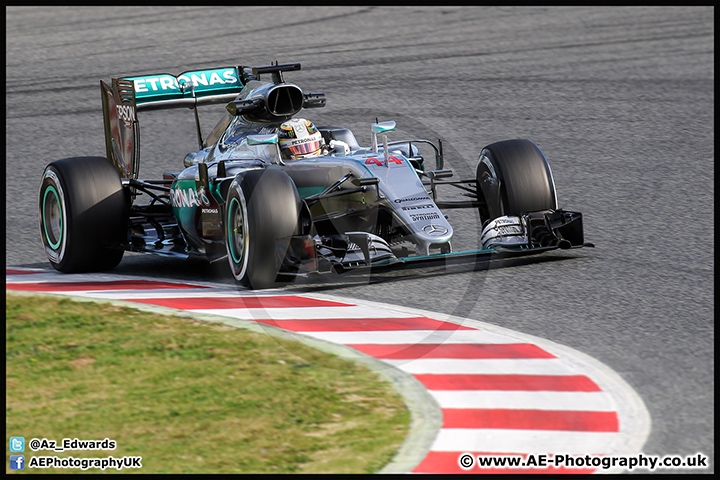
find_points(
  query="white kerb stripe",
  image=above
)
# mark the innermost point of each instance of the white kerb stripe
(152, 293)
(525, 441)
(530, 366)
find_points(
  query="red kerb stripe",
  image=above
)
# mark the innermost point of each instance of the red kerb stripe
(285, 301)
(580, 421)
(83, 286)
(555, 383)
(12, 271)
(447, 462)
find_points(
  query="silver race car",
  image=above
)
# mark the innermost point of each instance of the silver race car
(279, 197)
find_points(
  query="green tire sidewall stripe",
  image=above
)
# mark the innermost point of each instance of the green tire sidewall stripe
(57, 244)
(234, 203)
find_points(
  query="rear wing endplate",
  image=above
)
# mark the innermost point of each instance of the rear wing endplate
(122, 140)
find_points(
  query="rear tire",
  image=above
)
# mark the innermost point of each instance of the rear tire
(82, 214)
(262, 209)
(514, 177)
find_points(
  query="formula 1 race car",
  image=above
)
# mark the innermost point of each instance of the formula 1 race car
(244, 196)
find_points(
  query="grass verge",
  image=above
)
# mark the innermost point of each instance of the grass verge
(190, 396)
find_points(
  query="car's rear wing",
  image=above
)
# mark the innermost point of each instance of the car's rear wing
(126, 96)
(163, 91)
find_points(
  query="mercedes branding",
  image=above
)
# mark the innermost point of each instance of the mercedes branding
(433, 229)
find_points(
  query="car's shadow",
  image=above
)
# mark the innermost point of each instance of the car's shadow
(405, 273)
(199, 270)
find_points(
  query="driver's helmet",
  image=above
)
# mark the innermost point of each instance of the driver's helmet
(299, 138)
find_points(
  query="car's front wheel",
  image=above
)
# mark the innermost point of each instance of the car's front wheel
(82, 214)
(514, 177)
(262, 209)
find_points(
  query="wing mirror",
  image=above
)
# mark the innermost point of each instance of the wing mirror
(267, 140)
(380, 127)
(262, 139)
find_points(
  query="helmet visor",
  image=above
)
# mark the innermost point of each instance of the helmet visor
(305, 148)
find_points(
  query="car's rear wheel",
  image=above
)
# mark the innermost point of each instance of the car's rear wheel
(514, 177)
(262, 209)
(82, 214)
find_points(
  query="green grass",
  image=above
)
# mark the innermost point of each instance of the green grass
(190, 396)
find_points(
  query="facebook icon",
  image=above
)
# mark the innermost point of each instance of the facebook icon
(17, 462)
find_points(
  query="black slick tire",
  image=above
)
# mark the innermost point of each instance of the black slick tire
(82, 214)
(514, 177)
(262, 209)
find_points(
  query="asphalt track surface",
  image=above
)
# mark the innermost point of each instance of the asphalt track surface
(619, 99)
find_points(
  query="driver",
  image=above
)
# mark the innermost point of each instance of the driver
(299, 138)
